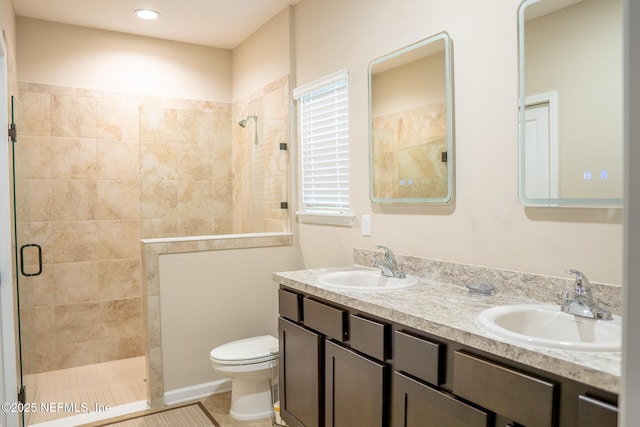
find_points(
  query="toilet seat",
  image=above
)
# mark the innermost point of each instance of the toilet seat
(246, 351)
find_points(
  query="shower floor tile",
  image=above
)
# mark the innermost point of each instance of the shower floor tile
(69, 392)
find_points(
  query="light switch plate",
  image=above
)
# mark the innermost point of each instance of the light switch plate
(366, 225)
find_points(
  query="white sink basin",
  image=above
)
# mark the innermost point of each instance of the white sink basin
(362, 280)
(547, 326)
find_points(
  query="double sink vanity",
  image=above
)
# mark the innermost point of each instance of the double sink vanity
(361, 349)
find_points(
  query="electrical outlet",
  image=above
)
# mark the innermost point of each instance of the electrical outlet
(366, 225)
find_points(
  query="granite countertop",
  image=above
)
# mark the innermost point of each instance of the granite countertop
(449, 311)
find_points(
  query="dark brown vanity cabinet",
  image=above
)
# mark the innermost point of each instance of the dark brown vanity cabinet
(323, 381)
(355, 389)
(419, 365)
(300, 375)
(523, 398)
(593, 412)
(415, 404)
(343, 368)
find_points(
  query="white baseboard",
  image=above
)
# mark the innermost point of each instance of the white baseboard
(198, 391)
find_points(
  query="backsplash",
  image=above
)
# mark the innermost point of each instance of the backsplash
(546, 289)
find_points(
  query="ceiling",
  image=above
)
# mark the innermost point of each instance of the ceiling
(216, 23)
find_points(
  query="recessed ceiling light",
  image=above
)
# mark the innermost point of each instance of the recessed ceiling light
(147, 14)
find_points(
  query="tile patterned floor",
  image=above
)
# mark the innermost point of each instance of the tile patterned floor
(111, 383)
(218, 405)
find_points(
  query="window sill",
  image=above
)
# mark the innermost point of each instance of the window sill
(341, 219)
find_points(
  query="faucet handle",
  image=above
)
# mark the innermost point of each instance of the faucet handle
(582, 283)
(388, 254)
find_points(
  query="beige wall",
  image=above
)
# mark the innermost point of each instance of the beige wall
(104, 60)
(486, 224)
(210, 298)
(590, 35)
(263, 57)
(8, 23)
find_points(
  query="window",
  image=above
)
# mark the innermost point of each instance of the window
(324, 142)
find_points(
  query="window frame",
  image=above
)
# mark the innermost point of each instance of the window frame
(336, 215)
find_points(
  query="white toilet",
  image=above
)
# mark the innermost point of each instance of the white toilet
(251, 364)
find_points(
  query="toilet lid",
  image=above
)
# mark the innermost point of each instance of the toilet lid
(246, 351)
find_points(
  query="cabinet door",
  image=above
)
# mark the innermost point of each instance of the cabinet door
(355, 389)
(595, 413)
(300, 375)
(418, 405)
(524, 398)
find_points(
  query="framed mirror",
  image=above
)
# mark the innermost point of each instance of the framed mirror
(571, 103)
(411, 124)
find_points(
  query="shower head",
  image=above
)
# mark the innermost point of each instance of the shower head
(243, 122)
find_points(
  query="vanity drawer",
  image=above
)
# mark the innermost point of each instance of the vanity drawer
(289, 304)
(525, 399)
(416, 404)
(325, 319)
(370, 337)
(418, 357)
(595, 413)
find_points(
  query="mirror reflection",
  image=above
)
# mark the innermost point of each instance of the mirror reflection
(571, 103)
(410, 111)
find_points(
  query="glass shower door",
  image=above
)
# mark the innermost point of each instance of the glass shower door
(78, 290)
(13, 138)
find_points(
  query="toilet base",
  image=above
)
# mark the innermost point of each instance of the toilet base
(250, 400)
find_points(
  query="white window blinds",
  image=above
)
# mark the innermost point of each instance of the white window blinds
(324, 131)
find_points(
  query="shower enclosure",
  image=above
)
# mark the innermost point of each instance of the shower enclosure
(94, 173)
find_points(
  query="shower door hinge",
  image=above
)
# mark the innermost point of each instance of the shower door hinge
(283, 146)
(444, 157)
(284, 205)
(13, 132)
(22, 395)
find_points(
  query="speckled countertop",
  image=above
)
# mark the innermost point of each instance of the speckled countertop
(449, 311)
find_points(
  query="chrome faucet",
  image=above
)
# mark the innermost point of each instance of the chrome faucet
(389, 266)
(579, 301)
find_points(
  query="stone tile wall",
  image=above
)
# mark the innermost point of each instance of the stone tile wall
(95, 173)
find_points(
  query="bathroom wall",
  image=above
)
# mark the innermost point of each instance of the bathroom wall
(260, 166)
(69, 55)
(184, 169)
(236, 298)
(262, 58)
(261, 85)
(8, 25)
(486, 224)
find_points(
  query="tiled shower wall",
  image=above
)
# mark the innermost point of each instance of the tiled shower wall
(95, 173)
(260, 162)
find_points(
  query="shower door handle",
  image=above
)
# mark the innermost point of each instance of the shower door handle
(22, 248)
